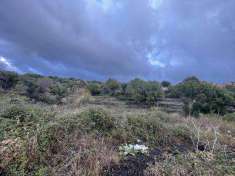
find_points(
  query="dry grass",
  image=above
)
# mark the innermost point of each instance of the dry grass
(10, 150)
(90, 157)
(66, 149)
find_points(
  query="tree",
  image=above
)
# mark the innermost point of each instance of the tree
(135, 90)
(153, 92)
(203, 97)
(144, 91)
(191, 79)
(8, 79)
(165, 84)
(112, 87)
(94, 88)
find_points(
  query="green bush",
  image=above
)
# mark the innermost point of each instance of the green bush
(201, 97)
(5, 126)
(8, 80)
(58, 90)
(95, 88)
(147, 129)
(43, 89)
(16, 113)
(229, 117)
(97, 120)
(49, 137)
(192, 163)
(146, 92)
(165, 84)
(112, 87)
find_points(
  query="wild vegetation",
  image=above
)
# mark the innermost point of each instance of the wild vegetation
(197, 96)
(61, 126)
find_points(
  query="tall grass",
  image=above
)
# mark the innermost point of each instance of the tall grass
(84, 139)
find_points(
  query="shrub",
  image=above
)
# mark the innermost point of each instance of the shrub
(95, 88)
(191, 79)
(112, 87)
(82, 97)
(58, 90)
(165, 84)
(40, 90)
(49, 138)
(14, 159)
(16, 113)
(44, 90)
(229, 117)
(97, 120)
(147, 129)
(201, 97)
(144, 92)
(8, 79)
(93, 156)
(198, 163)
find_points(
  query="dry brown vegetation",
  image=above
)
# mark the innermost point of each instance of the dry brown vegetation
(83, 138)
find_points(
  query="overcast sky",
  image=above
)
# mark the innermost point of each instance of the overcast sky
(122, 39)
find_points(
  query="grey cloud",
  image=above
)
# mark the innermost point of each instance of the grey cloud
(202, 31)
(80, 38)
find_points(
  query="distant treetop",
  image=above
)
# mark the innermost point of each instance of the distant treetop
(192, 79)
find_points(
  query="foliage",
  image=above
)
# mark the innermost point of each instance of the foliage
(49, 90)
(16, 113)
(49, 136)
(199, 163)
(8, 80)
(191, 79)
(229, 117)
(198, 96)
(112, 87)
(66, 139)
(201, 97)
(137, 90)
(144, 92)
(231, 89)
(165, 84)
(146, 128)
(42, 89)
(95, 88)
(97, 120)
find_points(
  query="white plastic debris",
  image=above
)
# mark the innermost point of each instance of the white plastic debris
(133, 149)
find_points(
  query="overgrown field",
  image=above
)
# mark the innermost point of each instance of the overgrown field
(69, 127)
(91, 136)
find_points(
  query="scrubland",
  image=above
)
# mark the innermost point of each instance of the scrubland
(69, 127)
(85, 135)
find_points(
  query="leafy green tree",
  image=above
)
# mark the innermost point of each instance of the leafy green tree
(135, 90)
(203, 97)
(95, 88)
(153, 92)
(144, 91)
(58, 90)
(165, 84)
(112, 87)
(191, 79)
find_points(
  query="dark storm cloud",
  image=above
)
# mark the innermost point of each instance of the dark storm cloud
(152, 39)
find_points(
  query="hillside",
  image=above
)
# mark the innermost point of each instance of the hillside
(59, 126)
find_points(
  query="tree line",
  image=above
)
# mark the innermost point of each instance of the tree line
(198, 96)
